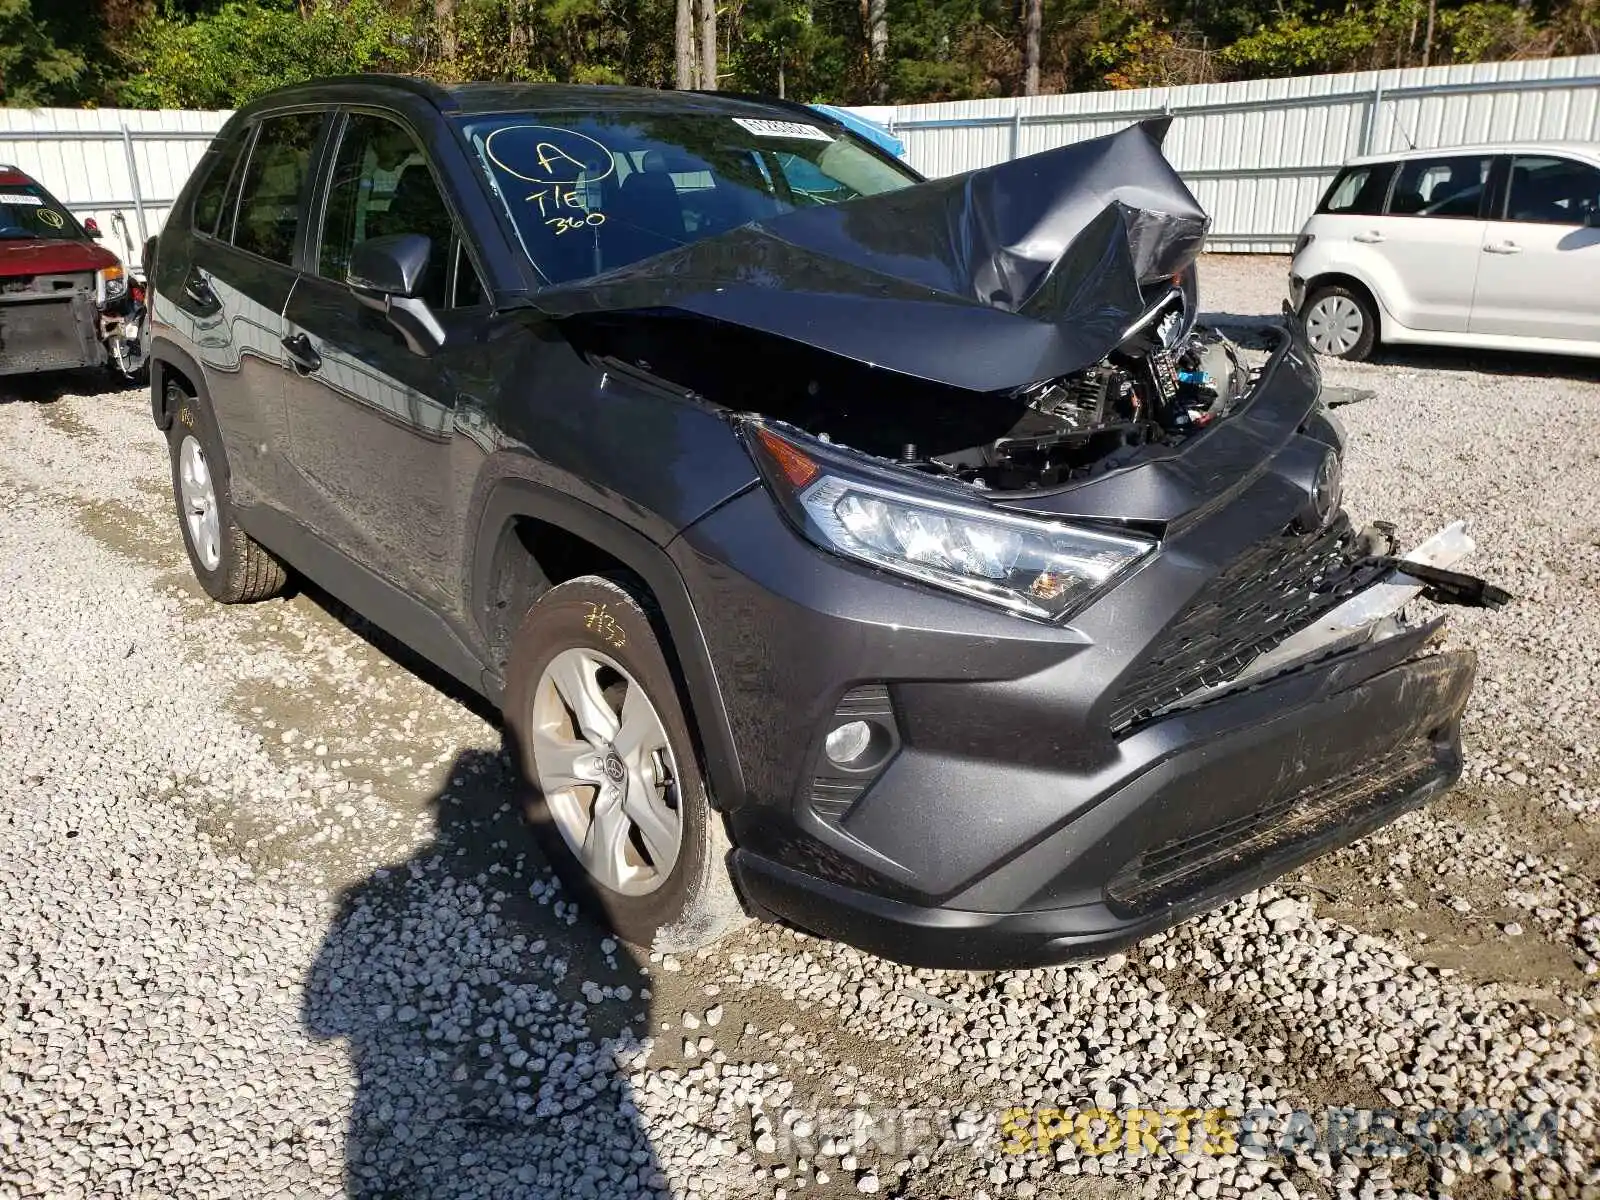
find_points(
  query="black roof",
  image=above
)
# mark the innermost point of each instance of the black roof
(515, 97)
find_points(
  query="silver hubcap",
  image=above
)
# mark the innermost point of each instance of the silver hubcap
(199, 497)
(1334, 325)
(609, 778)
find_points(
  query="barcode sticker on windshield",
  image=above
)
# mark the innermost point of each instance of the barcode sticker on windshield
(783, 129)
(19, 198)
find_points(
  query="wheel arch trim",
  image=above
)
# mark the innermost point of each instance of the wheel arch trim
(511, 498)
(163, 352)
(1348, 279)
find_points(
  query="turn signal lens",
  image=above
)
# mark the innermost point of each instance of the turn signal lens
(796, 467)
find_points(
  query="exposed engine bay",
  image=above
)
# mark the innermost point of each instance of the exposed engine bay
(1166, 381)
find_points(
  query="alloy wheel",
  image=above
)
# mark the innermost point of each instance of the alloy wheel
(199, 496)
(603, 762)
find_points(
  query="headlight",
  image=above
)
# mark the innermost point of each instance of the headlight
(111, 283)
(1039, 568)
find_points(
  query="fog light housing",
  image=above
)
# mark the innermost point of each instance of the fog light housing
(860, 741)
(848, 742)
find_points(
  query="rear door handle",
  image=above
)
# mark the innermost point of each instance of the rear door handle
(302, 353)
(1502, 248)
(1369, 238)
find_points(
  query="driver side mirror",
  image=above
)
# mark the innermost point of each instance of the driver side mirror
(385, 274)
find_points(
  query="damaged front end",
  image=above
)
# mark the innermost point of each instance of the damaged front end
(997, 384)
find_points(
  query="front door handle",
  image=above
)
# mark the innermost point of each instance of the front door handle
(197, 289)
(302, 353)
(1368, 238)
(1502, 248)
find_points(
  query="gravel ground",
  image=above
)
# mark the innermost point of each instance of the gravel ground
(268, 926)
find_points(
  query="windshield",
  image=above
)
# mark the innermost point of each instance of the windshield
(592, 191)
(28, 211)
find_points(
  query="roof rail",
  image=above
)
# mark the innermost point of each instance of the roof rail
(441, 97)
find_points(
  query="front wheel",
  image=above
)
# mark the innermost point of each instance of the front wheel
(616, 794)
(1341, 322)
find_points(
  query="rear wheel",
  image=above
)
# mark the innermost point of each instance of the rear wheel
(1341, 322)
(228, 562)
(616, 793)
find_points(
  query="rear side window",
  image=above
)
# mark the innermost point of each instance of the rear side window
(1553, 191)
(1358, 190)
(1448, 186)
(274, 180)
(218, 166)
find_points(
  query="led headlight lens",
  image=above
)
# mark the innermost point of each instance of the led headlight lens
(1035, 567)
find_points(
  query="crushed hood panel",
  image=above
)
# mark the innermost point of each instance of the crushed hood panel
(985, 281)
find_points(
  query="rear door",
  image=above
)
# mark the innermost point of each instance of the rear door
(371, 422)
(235, 287)
(1423, 249)
(1539, 268)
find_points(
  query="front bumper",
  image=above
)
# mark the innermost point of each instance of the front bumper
(1212, 804)
(1055, 791)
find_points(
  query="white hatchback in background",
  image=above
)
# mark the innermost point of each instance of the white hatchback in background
(1492, 247)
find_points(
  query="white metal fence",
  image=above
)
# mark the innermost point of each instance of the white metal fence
(123, 167)
(1258, 154)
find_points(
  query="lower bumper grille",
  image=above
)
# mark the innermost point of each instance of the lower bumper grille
(46, 335)
(1273, 590)
(1184, 866)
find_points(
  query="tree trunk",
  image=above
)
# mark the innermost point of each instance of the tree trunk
(1427, 38)
(444, 19)
(1033, 19)
(708, 45)
(878, 40)
(683, 39)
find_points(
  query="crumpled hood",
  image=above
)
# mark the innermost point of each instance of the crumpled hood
(986, 281)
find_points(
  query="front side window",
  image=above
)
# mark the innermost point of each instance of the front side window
(1440, 187)
(274, 183)
(1357, 191)
(1553, 191)
(29, 213)
(381, 185)
(593, 191)
(218, 166)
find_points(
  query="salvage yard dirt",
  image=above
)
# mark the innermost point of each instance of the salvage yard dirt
(270, 924)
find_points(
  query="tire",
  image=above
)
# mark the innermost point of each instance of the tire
(231, 565)
(596, 637)
(1341, 322)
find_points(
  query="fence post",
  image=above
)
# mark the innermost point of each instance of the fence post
(133, 178)
(1016, 131)
(1370, 134)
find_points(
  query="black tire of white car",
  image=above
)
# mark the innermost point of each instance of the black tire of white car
(694, 904)
(243, 571)
(1366, 341)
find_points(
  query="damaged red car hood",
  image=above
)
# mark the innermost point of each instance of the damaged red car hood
(39, 256)
(985, 281)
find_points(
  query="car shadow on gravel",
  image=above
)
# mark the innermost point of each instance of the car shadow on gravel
(489, 1028)
(51, 386)
(1488, 362)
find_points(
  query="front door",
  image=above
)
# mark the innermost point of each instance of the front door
(370, 420)
(1539, 268)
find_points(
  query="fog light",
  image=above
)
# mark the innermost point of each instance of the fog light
(848, 742)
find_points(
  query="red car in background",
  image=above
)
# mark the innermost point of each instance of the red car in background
(64, 301)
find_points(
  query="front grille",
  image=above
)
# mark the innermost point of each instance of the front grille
(1197, 862)
(1274, 589)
